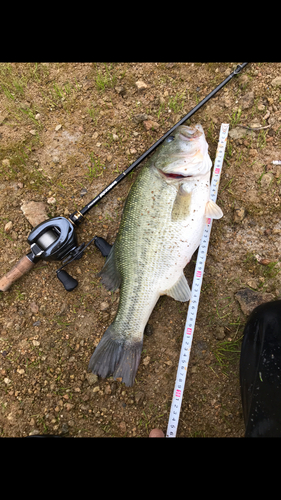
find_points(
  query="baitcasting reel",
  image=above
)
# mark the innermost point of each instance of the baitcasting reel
(56, 239)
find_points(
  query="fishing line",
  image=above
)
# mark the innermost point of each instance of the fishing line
(195, 293)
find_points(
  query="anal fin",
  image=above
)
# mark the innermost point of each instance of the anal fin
(180, 291)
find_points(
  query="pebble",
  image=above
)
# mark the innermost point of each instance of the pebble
(104, 305)
(109, 158)
(95, 135)
(32, 132)
(148, 124)
(35, 212)
(8, 227)
(58, 127)
(83, 192)
(51, 201)
(6, 162)
(36, 343)
(237, 133)
(20, 371)
(239, 214)
(37, 116)
(276, 82)
(266, 180)
(141, 85)
(219, 333)
(115, 137)
(56, 159)
(33, 307)
(146, 360)
(139, 118)
(7, 381)
(249, 299)
(247, 100)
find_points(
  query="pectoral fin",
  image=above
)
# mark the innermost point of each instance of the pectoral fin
(180, 291)
(181, 207)
(109, 274)
(213, 210)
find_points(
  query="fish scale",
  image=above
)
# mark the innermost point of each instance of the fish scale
(161, 227)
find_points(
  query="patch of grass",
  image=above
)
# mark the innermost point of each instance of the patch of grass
(235, 118)
(104, 79)
(96, 169)
(227, 351)
(176, 103)
(93, 112)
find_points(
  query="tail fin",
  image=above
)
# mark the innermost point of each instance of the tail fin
(116, 356)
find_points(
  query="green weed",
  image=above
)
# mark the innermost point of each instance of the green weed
(96, 169)
(235, 118)
(105, 80)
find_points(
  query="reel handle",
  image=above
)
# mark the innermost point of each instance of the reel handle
(68, 282)
(22, 266)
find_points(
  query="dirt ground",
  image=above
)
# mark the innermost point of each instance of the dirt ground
(66, 131)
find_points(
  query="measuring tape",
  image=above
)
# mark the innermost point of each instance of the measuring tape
(195, 294)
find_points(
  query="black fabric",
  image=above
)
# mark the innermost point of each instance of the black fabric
(260, 371)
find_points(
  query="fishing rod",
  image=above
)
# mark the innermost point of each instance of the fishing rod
(56, 239)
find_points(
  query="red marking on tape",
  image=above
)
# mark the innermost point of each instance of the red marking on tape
(217, 170)
(189, 331)
(178, 393)
(209, 221)
(198, 274)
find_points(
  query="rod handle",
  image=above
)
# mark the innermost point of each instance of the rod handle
(22, 267)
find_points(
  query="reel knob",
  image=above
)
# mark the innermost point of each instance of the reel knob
(68, 282)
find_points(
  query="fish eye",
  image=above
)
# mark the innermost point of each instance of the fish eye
(170, 138)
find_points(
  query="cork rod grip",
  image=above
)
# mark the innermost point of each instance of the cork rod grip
(22, 266)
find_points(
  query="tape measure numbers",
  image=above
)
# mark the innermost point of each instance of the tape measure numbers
(195, 293)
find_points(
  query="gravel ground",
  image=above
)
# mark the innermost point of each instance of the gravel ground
(66, 131)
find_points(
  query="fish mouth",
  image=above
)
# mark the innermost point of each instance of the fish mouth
(175, 176)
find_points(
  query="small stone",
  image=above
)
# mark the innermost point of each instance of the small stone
(148, 124)
(104, 305)
(51, 200)
(115, 137)
(96, 389)
(20, 371)
(35, 212)
(32, 132)
(239, 214)
(37, 323)
(120, 90)
(56, 159)
(109, 158)
(148, 330)
(261, 107)
(7, 381)
(33, 307)
(146, 360)
(35, 343)
(219, 333)
(123, 427)
(247, 100)
(58, 127)
(37, 116)
(6, 162)
(83, 192)
(107, 390)
(276, 82)
(249, 299)
(95, 135)
(141, 85)
(266, 180)
(237, 133)
(8, 227)
(227, 72)
(139, 118)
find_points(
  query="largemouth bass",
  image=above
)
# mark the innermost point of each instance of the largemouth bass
(160, 229)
